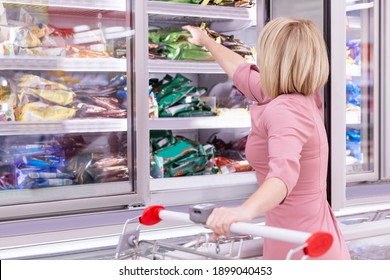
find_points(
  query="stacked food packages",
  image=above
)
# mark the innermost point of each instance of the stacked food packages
(174, 156)
(176, 98)
(69, 159)
(36, 162)
(23, 34)
(61, 96)
(171, 43)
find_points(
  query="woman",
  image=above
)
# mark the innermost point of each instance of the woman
(287, 145)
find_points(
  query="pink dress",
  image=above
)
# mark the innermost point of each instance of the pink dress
(288, 141)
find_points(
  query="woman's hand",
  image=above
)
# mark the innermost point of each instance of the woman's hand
(221, 219)
(198, 37)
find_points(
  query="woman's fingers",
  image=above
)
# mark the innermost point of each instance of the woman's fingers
(220, 221)
(198, 36)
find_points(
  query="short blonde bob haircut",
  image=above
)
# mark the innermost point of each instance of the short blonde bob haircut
(292, 57)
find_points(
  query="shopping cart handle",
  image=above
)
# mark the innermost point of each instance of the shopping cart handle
(316, 244)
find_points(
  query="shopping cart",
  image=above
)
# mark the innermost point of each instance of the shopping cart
(245, 242)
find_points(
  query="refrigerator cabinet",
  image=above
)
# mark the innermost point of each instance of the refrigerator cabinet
(68, 144)
(184, 190)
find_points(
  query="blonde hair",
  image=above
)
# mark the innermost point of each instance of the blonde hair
(292, 57)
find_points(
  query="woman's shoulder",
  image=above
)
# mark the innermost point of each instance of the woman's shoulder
(291, 102)
(288, 109)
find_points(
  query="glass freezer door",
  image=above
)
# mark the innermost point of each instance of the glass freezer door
(361, 91)
(66, 96)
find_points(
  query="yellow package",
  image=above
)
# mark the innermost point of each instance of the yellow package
(60, 97)
(33, 81)
(39, 111)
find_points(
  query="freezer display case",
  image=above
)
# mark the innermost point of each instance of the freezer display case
(198, 122)
(360, 190)
(67, 98)
(179, 135)
(362, 133)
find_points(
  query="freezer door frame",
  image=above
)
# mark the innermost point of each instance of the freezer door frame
(385, 88)
(365, 188)
(374, 174)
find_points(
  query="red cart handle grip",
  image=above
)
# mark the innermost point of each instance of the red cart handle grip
(151, 215)
(318, 244)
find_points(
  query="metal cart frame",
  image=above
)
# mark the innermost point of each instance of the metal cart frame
(203, 247)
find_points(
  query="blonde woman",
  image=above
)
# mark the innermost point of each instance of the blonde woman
(287, 145)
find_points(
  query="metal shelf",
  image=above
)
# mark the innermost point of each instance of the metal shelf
(203, 181)
(192, 189)
(59, 127)
(232, 121)
(65, 64)
(181, 66)
(358, 7)
(112, 5)
(208, 11)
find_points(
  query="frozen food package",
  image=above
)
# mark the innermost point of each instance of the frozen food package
(25, 181)
(32, 149)
(172, 156)
(44, 161)
(170, 85)
(85, 52)
(172, 44)
(30, 36)
(174, 97)
(236, 166)
(176, 151)
(108, 173)
(110, 161)
(187, 166)
(7, 177)
(39, 111)
(37, 82)
(59, 97)
(109, 103)
(50, 175)
(177, 109)
(79, 163)
(161, 138)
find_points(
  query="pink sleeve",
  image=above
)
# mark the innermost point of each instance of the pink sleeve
(247, 81)
(288, 127)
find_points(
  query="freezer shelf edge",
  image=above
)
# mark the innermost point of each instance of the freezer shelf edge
(68, 126)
